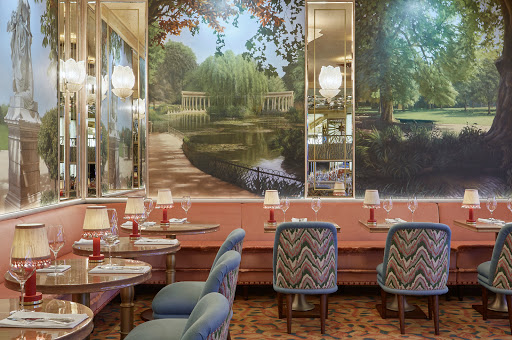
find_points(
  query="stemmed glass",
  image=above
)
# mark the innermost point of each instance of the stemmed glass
(316, 205)
(56, 240)
(110, 238)
(284, 205)
(21, 266)
(412, 204)
(492, 204)
(387, 205)
(186, 203)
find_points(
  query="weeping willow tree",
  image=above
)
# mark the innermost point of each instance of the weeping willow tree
(231, 81)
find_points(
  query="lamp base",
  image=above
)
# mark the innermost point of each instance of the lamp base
(134, 236)
(470, 222)
(371, 222)
(270, 224)
(32, 300)
(96, 258)
(165, 223)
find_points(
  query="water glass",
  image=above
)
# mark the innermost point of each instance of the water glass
(387, 204)
(186, 203)
(21, 266)
(492, 204)
(316, 205)
(56, 241)
(110, 238)
(284, 205)
(412, 204)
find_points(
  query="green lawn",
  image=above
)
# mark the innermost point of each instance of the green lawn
(445, 116)
(4, 133)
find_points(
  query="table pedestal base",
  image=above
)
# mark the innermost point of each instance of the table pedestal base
(490, 313)
(127, 304)
(300, 304)
(393, 304)
(416, 313)
(499, 304)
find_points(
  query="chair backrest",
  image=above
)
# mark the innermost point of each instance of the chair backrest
(305, 256)
(234, 241)
(209, 319)
(417, 256)
(223, 277)
(501, 265)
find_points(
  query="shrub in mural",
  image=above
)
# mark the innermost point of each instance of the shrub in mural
(226, 92)
(432, 116)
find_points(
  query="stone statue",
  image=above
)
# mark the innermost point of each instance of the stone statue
(21, 41)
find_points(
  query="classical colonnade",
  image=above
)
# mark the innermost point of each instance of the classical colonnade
(272, 101)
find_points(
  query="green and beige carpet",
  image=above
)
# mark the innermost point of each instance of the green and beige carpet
(352, 315)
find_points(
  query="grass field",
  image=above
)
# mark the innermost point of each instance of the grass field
(4, 133)
(443, 116)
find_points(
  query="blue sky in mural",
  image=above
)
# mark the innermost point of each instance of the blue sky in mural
(44, 95)
(204, 43)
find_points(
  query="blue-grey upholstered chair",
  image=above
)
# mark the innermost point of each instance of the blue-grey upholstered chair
(416, 262)
(305, 262)
(222, 279)
(178, 299)
(209, 320)
(496, 275)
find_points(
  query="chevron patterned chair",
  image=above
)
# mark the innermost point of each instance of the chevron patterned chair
(416, 262)
(178, 299)
(305, 262)
(496, 275)
(208, 320)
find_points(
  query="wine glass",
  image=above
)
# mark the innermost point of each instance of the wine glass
(285, 204)
(186, 203)
(56, 240)
(412, 204)
(492, 204)
(387, 205)
(316, 205)
(110, 237)
(21, 266)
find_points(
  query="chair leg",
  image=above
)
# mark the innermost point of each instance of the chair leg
(485, 300)
(279, 305)
(246, 292)
(384, 297)
(229, 336)
(430, 307)
(326, 306)
(323, 304)
(436, 313)
(289, 301)
(509, 304)
(401, 313)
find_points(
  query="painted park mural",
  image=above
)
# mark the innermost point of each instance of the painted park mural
(433, 97)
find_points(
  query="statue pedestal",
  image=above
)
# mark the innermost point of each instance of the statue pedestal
(24, 176)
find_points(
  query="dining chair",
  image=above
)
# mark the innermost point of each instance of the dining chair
(179, 298)
(416, 262)
(209, 320)
(222, 279)
(496, 275)
(305, 261)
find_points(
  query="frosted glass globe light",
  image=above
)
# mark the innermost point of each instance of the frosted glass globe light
(330, 80)
(123, 81)
(72, 74)
(139, 107)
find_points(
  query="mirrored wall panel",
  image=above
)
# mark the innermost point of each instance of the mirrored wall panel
(330, 105)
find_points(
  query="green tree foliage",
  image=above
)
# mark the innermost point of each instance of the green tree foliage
(294, 78)
(47, 142)
(231, 81)
(487, 81)
(275, 84)
(3, 112)
(435, 87)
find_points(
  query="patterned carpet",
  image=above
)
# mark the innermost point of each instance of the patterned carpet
(352, 314)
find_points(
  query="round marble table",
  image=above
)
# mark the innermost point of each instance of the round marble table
(78, 282)
(81, 331)
(127, 249)
(175, 229)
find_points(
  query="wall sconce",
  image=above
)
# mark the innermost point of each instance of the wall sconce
(139, 107)
(123, 81)
(91, 89)
(330, 80)
(72, 74)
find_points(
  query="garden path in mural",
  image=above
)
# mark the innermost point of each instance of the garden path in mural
(170, 168)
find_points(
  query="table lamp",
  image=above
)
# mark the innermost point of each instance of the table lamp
(134, 211)
(164, 202)
(471, 201)
(371, 201)
(339, 189)
(96, 224)
(271, 202)
(32, 235)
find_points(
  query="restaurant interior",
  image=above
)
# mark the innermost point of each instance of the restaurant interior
(118, 223)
